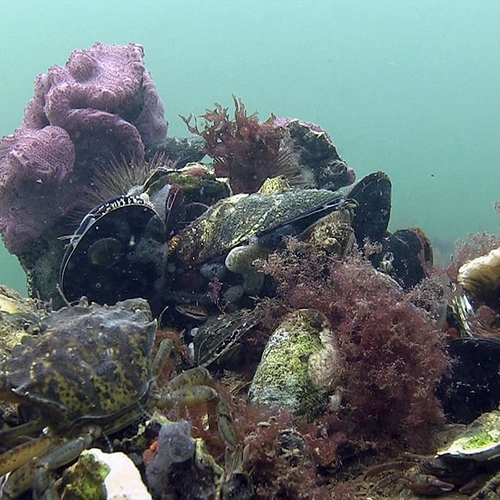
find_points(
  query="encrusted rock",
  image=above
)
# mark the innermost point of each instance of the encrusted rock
(182, 467)
(300, 367)
(85, 479)
(18, 317)
(175, 445)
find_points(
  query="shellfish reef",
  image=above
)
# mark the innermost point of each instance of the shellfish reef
(226, 315)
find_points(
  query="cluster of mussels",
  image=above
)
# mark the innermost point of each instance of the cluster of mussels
(175, 235)
(178, 238)
(213, 265)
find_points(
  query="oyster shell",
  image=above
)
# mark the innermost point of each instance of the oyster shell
(480, 277)
(480, 441)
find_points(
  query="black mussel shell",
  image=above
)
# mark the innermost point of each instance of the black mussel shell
(408, 251)
(117, 253)
(371, 217)
(473, 386)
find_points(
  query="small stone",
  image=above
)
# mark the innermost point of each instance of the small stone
(240, 261)
(233, 293)
(213, 270)
(124, 480)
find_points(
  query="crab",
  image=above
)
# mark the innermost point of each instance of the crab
(89, 373)
(475, 451)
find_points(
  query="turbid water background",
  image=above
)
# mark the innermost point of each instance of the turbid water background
(408, 87)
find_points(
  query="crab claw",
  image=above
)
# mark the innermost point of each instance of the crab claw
(425, 484)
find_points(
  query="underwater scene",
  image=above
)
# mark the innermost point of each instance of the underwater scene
(250, 250)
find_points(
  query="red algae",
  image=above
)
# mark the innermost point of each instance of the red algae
(245, 150)
(475, 245)
(283, 461)
(395, 358)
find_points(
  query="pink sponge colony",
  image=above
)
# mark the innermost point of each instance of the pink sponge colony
(102, 104)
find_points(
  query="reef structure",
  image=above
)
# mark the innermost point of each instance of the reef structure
(101, 104)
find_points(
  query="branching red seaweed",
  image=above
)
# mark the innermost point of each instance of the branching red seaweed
(245, 150)
(395, 358)
(475, 245)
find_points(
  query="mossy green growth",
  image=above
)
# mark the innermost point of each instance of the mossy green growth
(275, 185)
(299, 366)
(85, 481)
(187, 182)
(478, 441)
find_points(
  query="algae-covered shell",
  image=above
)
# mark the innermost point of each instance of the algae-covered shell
(300, 367)
(18, 317)
(236, 219)
(480, 441)
(480, 277)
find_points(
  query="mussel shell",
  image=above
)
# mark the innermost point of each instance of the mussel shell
(473, 386)
(410, 252)
(117, 253)
(373, 196)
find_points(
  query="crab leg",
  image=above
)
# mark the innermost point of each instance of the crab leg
(35, 469)
(164, 350)
(190, 378)
(225, 424)
(9, 436)
(188, 396)
(425, 484)
(18, 456)
(43, 483)
(195, 386)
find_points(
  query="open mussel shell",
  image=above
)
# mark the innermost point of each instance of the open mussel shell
(118, 252)
(473, 385)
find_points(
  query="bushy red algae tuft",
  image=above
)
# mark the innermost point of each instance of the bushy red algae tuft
(246, 150)
(475, 245)
(395, 358)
